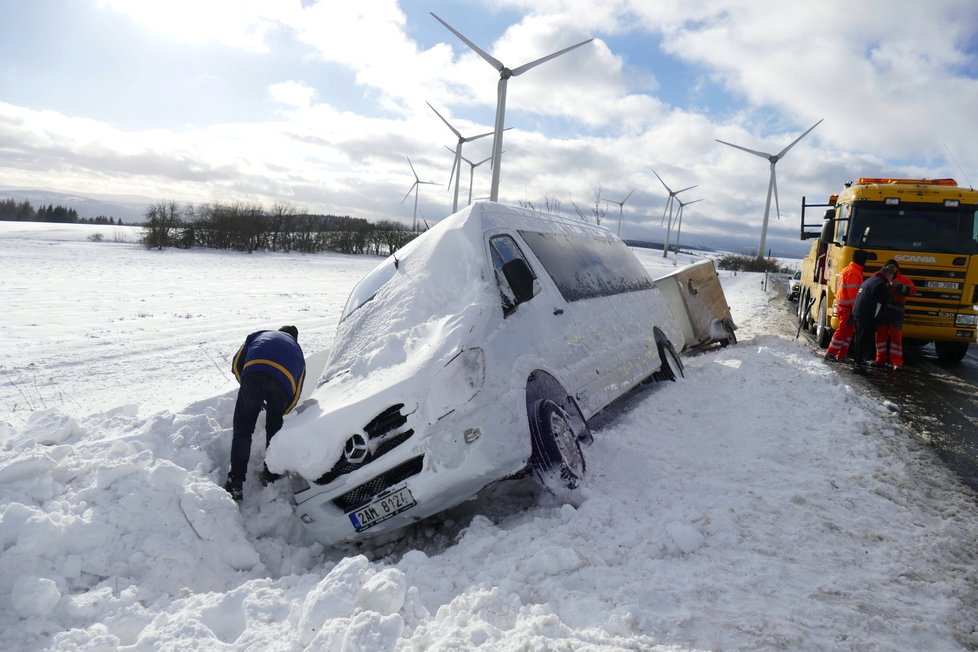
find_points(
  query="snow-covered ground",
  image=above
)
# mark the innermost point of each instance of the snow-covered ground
(764, 502)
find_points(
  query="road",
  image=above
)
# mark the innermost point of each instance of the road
(938, 401)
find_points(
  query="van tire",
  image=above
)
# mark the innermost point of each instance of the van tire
(671, 368)
(557, 459)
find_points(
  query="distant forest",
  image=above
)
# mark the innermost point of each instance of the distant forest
(252, 227)
(14, 211)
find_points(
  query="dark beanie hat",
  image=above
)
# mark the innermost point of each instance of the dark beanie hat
(860, 256)
(291, 330)
(893, 262)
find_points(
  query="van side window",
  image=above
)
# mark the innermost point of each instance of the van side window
(585, 267)
(504, 249)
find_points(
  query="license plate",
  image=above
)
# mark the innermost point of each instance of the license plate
(943, 285)
(382, 509)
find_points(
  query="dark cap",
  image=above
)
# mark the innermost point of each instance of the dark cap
(860, 256)
(291, 330)
(892, 262)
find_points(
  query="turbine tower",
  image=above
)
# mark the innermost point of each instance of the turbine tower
(457, 164)
(672, 196)
(415, 186)
(679, 220)
(621, 207)
(772, 184)
(504, 75)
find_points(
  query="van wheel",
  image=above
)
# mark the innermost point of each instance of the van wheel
(557, 459)
(671, 368)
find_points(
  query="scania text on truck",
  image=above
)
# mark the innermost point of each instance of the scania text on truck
(929, 225)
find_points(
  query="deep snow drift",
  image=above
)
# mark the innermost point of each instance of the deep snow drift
(721, 511)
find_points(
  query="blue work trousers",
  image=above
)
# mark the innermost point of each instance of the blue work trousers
(257, 391)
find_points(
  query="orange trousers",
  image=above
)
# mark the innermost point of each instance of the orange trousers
(842, 337)
(889, 344)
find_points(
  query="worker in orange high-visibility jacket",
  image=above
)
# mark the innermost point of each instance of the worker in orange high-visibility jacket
(846, 289)
(889, 332)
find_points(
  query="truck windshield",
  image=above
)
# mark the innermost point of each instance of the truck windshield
(915, 227)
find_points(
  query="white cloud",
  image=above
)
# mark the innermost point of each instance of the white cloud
(297, 94)
(233, 23)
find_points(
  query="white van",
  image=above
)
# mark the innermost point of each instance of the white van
(476, 352)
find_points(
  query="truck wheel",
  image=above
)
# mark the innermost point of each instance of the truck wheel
(951, 351)
(557, 459)
(823, 334)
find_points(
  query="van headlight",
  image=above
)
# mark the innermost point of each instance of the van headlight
(458, 381)
(964, 320)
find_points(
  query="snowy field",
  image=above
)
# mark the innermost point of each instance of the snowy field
(720, 512)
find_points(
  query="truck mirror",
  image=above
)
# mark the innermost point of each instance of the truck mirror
(520, 279)
(828, 231)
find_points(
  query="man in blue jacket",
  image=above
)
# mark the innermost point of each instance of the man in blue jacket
(270, 368)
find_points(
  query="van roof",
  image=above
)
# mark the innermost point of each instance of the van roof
(492, 215)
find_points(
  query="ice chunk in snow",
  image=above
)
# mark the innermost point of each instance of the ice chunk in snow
(34, 596)
(50, 427)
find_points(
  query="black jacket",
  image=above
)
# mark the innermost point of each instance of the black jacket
(874, 294)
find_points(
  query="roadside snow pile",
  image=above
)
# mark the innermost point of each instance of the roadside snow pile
(707, 522)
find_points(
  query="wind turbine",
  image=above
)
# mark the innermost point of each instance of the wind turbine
(672, 196)
(504, 75)
(772, 185)
(621, 207)
(472, 167)
(415, 186)
(679, 218)
(457, 165)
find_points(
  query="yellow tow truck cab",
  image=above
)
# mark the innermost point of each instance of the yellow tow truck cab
(929, 225)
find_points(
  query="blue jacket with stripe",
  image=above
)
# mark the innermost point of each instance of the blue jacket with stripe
(274, 354)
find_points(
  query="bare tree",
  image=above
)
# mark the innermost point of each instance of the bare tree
(162, 221)
(550, 202)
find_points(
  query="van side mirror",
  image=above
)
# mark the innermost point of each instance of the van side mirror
(520, 279)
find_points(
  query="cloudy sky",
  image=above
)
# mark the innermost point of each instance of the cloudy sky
(319, 103)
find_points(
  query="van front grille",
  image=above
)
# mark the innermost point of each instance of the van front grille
(361, 495)
(382, 430)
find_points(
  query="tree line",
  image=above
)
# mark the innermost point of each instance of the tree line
(15, 211)
(252, 227)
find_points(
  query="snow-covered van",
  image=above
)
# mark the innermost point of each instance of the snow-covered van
(477, 352)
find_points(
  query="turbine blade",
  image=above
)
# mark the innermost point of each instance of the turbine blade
(533, 64)
(683, 190)
(662, 182)
(482, 53)
(409, 191)
(785, 150)
(412, 168)
(471, 138)
(628, 195)
(751, 151)
(774, 183)
(668, 203)
(448, 124)
(458, 155)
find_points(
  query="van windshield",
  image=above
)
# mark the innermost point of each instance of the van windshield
(586, 267)
(369, 286)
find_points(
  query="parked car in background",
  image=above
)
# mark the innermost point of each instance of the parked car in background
(794, 286)
(478, 351)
